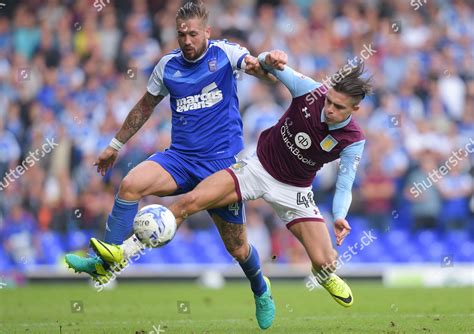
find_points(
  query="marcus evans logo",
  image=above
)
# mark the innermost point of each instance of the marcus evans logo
(210, 95)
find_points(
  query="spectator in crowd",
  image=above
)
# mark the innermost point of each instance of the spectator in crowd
(19, 235)
(455, 188)
(422, 193)
(9, 154)
(377, 190)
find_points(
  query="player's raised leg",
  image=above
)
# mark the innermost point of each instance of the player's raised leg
(316, 240)
(221, 190)
(145, 179)
(216, 190)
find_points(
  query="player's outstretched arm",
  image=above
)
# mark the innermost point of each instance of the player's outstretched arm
(134, 121)
(350, 158)
(275, 63)
(242, 60)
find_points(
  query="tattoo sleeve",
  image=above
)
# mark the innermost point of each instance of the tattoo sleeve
(138, 116)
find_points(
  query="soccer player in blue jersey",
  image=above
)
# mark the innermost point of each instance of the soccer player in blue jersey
(206, 136)
(317, 128)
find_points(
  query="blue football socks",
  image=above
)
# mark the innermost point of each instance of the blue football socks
(251, 268)
(120, 222)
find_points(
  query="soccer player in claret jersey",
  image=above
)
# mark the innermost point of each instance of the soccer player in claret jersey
(317, 128)
(206, 136)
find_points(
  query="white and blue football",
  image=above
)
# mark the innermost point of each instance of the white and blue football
(154, 225)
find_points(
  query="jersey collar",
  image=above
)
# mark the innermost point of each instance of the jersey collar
(202, 56)
(337, 125)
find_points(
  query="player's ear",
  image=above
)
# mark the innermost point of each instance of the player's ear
(355, 104)
(207, 32)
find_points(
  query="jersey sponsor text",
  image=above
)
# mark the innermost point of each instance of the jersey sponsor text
(210, 96)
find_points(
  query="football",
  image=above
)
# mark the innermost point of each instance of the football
(154, 225)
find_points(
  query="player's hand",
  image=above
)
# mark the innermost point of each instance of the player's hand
(252, 66)
(276, 59)
(341, 230)
(106, 160)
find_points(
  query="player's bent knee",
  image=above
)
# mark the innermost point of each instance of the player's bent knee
(190, 203)
(129, 190)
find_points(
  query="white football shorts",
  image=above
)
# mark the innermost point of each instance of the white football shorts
(292, 204)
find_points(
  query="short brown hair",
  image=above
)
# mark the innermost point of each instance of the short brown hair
(192, 9)
(353, 85)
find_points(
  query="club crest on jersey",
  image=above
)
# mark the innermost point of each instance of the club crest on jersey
(328, 143)
(238, 165)
(212, 64)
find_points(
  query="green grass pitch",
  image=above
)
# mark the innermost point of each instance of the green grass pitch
(153, 308)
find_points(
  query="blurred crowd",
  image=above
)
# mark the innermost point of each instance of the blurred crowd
(70, 71)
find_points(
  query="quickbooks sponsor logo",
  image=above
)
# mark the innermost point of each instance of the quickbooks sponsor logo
(301, 140)
(210, 96)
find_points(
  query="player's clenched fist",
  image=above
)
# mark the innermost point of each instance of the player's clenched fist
(106, 160)
(276, 59)
(252, 66)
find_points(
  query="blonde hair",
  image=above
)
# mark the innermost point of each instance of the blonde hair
(192, 9)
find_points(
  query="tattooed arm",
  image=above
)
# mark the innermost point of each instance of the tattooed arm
(134, 121)
(138, 116)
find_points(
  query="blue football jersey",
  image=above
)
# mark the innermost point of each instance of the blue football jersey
(206, 121)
